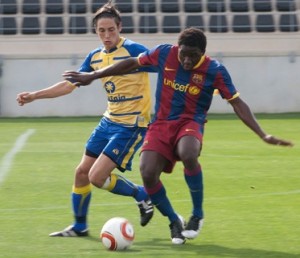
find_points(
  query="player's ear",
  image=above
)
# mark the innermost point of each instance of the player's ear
(95, 28)
(120, 27)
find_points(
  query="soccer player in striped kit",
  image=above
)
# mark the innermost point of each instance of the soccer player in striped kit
(120, 132)
(187, 79)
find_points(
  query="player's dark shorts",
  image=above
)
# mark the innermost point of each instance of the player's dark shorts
(162, 137)
(116, 141)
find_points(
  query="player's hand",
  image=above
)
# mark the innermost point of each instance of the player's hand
(24, 97)
(275, 141)
(78, 78)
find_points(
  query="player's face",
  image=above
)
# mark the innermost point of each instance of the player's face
(189, 56)
(108, 32)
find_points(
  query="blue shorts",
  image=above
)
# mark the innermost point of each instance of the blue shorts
(116, 141)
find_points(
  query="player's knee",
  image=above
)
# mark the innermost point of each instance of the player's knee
(149, 175)
(190, 162)
(81, 175)
(80, 170)
(147, 179)
(144, 170)
(189, 157)
(96, 180)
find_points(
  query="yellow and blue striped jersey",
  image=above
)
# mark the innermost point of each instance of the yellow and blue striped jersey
(128, 96)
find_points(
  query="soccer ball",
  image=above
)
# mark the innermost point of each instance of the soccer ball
(117, 234)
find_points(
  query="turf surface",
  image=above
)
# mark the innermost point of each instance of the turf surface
(252, 193)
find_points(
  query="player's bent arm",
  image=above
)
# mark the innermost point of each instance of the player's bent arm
(245, 114)
(57, 90)
(120, 68)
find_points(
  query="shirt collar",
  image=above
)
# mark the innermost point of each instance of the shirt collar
(116, 47)
(200, 62)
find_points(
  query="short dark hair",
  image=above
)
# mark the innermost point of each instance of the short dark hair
(193, 37)
(107, 11)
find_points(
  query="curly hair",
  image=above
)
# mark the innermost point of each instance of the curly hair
(193, 37)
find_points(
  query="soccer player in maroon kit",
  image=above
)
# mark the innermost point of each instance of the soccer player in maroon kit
(186, 82)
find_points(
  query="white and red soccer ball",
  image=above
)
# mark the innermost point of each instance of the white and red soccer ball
(117, 234)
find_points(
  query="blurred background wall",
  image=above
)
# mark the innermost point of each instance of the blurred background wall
(257, 40)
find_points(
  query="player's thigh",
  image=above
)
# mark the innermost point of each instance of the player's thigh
(101, 169)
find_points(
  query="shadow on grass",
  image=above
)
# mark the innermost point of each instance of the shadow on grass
(190, 249)
(159, 247)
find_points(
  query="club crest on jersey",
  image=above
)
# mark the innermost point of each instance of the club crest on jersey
(197, 78)
(115, 151)
(110, 87)
(194, 90)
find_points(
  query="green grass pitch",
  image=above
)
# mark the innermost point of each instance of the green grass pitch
(252, 193)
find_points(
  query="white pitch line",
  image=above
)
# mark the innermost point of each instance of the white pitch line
(7, 160)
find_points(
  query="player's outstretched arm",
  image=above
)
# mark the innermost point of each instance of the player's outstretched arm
(122, 67)
(245, 114)
(57, 90)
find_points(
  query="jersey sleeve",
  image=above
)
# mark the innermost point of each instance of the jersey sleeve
(155, 56)
(135, 50)
(224, 85)
(86, 65)
(149, 57)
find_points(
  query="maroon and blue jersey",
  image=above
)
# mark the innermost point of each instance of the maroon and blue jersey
(182, 94)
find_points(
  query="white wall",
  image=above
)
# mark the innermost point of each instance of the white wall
(269, 84)
(33, 74)
(260, 64)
